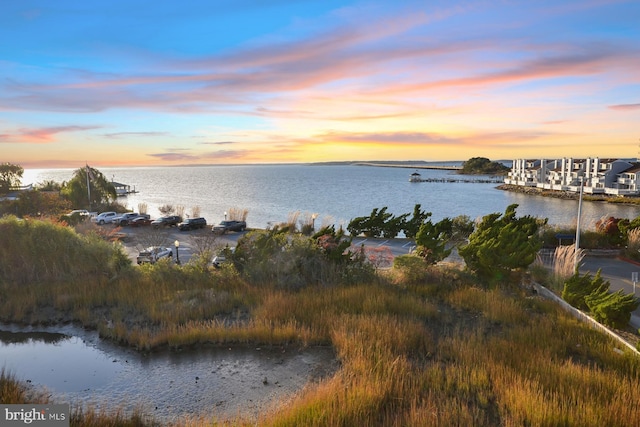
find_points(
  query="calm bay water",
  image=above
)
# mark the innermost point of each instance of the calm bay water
(337, 194)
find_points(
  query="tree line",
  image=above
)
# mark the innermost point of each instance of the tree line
(88, 189)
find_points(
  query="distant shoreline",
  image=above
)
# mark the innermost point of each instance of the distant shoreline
(410, 166)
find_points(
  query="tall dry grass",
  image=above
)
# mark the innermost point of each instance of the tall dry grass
(292, 221)
(633, 243)
(237, 214)
(507, 360)
(565, 262)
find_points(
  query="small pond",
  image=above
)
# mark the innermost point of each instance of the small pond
(76, 366)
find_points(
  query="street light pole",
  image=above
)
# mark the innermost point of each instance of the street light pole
(575, 259)
(225, 215)
(177, 244)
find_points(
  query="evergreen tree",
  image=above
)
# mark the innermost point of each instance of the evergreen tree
(612, 309)
(577, 288)
(432, 238)
(501, 244)
(412, 226)
(101, 190)
(374, 225)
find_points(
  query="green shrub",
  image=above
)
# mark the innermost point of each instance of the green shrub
(42, 251)
(502, 244)
(412, 268)
(577, 288)
(612, 309)
(432, 239)
(378, 223)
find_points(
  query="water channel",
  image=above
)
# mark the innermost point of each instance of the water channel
(77, 367)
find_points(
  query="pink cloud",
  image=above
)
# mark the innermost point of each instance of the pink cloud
(401, 138)
(174, 156)
(624, 107)
(41, 135)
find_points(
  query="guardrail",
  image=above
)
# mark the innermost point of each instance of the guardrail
(582, 316)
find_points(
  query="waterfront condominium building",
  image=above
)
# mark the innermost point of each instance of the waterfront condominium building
(598, 176)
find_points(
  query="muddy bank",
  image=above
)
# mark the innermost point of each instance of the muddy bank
(76, 366)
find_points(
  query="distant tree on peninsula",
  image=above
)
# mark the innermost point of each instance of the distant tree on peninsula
(10, 176)
(483, 166)
(75, 190)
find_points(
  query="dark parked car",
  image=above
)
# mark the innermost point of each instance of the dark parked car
(226, 226)
(125, 219)
(142, 220)
(166, 221)
(192, 224)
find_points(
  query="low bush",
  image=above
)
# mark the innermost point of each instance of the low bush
(592, 295)
(578, 287)
(412, 269)
(612, 309)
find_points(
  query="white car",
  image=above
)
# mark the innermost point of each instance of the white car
(153, 254)
(221, 258)
(105, 218)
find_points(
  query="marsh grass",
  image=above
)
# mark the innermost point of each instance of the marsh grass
(438, 350)
(237, 214)
(11, 391)
(633, 244)
(564, 262)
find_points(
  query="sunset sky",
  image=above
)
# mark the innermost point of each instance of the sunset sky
(272, 81)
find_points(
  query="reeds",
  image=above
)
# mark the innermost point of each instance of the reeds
(566, 261)
(237, 214)
(633, 243)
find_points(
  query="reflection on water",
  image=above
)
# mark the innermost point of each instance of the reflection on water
(23, 337)
(59, 362)
(167, 385)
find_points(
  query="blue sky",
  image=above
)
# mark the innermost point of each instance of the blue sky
(217, 82)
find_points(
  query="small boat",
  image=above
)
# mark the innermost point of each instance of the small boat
(415, 177)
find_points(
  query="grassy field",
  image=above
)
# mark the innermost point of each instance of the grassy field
(417, 346)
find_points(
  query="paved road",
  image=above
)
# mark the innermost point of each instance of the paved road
(619, 274)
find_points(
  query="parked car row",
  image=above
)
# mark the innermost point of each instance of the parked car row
(135, 219)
